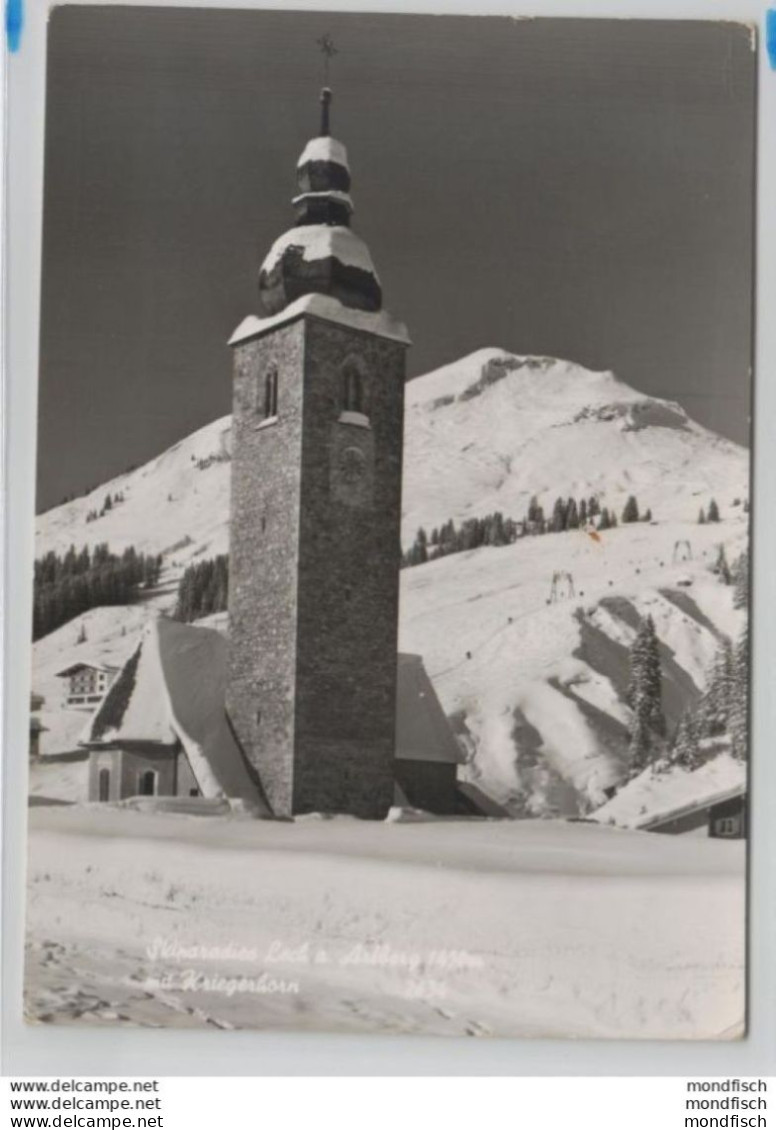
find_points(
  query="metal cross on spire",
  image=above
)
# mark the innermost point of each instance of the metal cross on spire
(328, 50)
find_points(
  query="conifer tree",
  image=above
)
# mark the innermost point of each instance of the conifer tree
(721, 567)
(644, 696)
(685, 750)
(630, 511)
(559, 516)
(714, 707)
(738, 723)
(713, 512)
(741, 580)
(204, 587)
(701, 517)
(641, 747)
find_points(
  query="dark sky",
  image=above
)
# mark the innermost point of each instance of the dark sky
(576, 188)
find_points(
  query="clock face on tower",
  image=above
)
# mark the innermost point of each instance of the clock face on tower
(352, 465)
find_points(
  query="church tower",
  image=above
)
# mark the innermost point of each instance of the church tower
(315, 520)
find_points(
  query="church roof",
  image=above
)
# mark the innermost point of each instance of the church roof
(423, 732)
(173, 688)
(380, 323)
(74, 668)
(170, 690)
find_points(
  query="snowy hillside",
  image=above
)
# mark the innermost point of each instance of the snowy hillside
(488, 432)
(177, 505)
(535, 687)
(539, 686)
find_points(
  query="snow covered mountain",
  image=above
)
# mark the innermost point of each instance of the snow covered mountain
(485, 433)
(534, 684)
(490, 431)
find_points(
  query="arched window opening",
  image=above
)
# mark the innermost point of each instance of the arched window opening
(271, 394)
(104, 784)
(146, 783)
(352, 390)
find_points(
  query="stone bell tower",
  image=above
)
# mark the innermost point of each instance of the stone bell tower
(316, 494)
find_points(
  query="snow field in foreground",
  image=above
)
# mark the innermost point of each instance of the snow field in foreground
(529, 928)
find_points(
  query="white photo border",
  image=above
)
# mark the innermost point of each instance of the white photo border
(51, 1050)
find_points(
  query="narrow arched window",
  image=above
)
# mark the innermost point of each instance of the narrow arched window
(271, 394)
(352, 390)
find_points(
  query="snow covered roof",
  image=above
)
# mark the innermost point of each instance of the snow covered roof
(331, 310)
(324, 149)
(172, 689)
(653, 797)
(322, 241)
(76, 667)
(423, 733)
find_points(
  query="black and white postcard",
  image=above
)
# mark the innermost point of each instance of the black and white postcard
(390, 661)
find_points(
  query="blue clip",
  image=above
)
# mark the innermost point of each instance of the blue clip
(14, 22)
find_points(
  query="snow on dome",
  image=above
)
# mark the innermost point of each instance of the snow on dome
(326, 194)
(319, 241)
(324, 149)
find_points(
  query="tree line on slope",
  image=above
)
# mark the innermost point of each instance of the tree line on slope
(721, 714)
(203, 589)
(495, 529)
(67, 586)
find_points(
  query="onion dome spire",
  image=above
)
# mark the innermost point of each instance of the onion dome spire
(321, 255)
(323, 177)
